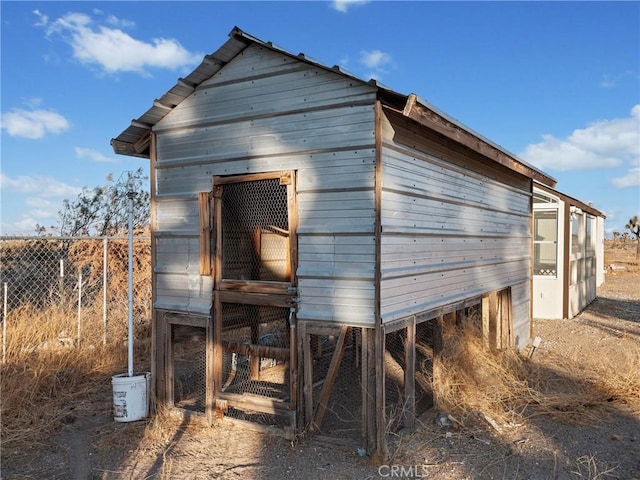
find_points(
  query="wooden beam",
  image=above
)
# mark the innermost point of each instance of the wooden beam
(294, 369)
(204, 220)
(381, 452)
(257, 351)
(209, 373)
(506, 321)
(368, 390)
(256, 286)
(217, 346)
(308, 374)
(284, 176)
(259, 299)
(332, 373)
(484, 311)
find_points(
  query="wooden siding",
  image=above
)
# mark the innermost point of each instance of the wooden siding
(453, 227)
(264, 112)
(179, 285)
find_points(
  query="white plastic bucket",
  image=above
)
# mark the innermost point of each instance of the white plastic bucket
(130, 397)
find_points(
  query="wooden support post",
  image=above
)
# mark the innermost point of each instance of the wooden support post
(438, 346)
(489, 320)
(217, 346)
(163, 360)
(292, 343)
(382, 452)
(332, 373)
(307, 389)
(485, 322)
(209, 372)
(438, 342)
(493, 320)
(410, 374)
(506, 322)
(368, 390)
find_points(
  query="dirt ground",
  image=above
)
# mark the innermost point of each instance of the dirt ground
(92, 446)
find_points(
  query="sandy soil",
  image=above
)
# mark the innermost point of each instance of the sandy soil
(605, 445)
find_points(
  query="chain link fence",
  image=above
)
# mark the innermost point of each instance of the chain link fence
(75, 287)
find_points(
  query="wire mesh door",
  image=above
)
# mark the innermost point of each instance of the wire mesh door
(254, 341)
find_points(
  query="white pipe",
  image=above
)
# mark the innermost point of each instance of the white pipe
(130, 195)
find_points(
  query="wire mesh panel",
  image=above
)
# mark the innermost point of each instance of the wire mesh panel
(255, 341)
(424, 367)
(408, 374)
(188, 356)
(336, 385)
(255, 231)
(394, 369)
(82, 282)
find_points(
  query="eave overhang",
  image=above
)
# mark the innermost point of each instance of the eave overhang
(430, 117)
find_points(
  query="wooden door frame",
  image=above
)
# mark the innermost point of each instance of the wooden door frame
(255, 292)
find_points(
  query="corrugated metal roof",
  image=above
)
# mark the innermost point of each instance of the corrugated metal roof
(134, 140)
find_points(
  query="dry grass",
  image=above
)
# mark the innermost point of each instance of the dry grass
(508, 387)
(47, 373)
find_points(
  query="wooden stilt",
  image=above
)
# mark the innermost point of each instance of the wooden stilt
(410, 374)
(307, 390)
(332, 373)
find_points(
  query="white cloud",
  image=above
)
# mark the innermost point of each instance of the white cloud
(120, 22)
(25, 226)
(33, 124)
(43, 186)
(42, 19)
(113, 50)
(93, 155)
(603, 144)
(42, 208)
(344, 5)
(375, 59)
(630, 179)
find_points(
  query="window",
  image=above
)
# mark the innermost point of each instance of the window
(589, 240)
(539, 197)
(576, 245)
(545, 242)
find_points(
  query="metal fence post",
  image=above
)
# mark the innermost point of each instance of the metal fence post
(4, 326)
(104, 291)
(79, 303)
(61, 281)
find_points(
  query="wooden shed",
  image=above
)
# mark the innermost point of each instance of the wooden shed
(568, 259)
(311, 233)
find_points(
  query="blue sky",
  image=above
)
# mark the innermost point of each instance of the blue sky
(556, 83)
